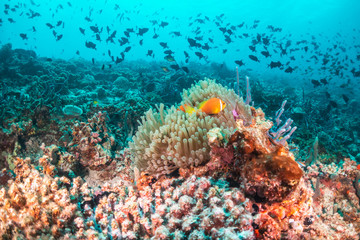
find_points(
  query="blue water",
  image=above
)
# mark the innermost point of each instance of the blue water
(326, 23)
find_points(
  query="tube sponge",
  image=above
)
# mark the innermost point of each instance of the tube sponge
(170, 139)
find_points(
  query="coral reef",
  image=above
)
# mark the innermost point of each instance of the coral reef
(172, 139)
(184, 177)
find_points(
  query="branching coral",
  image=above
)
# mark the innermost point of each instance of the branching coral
(170, 139)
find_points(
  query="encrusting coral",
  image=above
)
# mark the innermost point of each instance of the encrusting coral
(169, 139)
(245, 187)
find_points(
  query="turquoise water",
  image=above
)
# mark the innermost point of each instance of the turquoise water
(324, 22)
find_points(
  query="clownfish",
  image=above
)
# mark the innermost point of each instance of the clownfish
(210, 106)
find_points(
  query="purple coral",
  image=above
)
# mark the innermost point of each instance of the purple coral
(281, 134)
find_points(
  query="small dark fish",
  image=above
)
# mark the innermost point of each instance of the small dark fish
(11, 20)
(175, 67)
(88, 19)
(103, 66)
(59, 23)
(164, 44)
(169, 58)
(33, 29)
(193, 43)
(163, 24)
(178, 34)
(142, 31)
(327, 95)
(168, 52)
(123, 41)
(239, 62)
(127, 49)
(119, 60)
(185, 69)
(265, 53)
(23, 36)
(155, 36)
(275, 64)
(49, 59)
(110, 65)
(316, 83)
(224, 51)
(206, 46)
(228, 39)
(252, 48)
(223, 30)
(186, 54)
(95, 29)
(93, 61)
(49, 25)
(254, 58)
(324, 81)
(141, 42)
(199, 54)
(77, 52)
(58, 37)
(82, 31)
(149, 53)
(289, 70)
(90, 45)
(346, 99)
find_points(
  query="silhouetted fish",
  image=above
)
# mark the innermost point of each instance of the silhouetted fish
(149, 53)
(199, 54)
(95, 29)
(175, 67)
(58, 37)
(265, 53)
(90, 45)
(49, 25)
(185, 69)
(164, 44)
(254, 58)
(324, 81)
(176, 34)
(193, 43)
(169, 58)
(163, 24)
(239, 62)
(82, 30)
(252, 48)
(316, 83)
(142, 31)
(186, 54)
(275, 64)
(23, 36)
(289, 70)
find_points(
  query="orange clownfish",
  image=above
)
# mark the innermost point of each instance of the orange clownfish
(210, 106)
